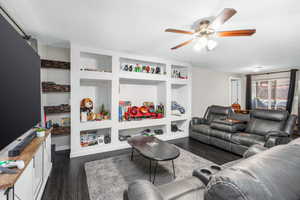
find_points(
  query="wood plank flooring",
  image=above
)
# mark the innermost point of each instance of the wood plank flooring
(68, 180)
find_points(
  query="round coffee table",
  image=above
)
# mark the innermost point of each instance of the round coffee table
(155, 150)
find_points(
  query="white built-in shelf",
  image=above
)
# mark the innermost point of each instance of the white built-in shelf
(92, 125)
(142, 76)
(178, 118)
(171, 136)
(179, 81)
(142, 123)
(137, 87)
(94, 75)
(96, 146)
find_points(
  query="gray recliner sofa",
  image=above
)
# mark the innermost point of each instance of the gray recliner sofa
(264, 127)
(270, 175)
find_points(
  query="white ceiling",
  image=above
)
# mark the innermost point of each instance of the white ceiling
(137, 26)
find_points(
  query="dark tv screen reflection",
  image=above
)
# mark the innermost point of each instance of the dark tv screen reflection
(20, 99)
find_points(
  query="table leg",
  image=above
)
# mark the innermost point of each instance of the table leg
(8, 191)
(132, 154)
(150, 171)
(155, 172)
(173, 169)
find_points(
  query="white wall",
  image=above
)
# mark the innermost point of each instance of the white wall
(208, 88)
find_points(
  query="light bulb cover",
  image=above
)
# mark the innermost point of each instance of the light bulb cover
(211, 44)
(200, 44)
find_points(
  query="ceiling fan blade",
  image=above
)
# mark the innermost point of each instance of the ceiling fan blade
(224, 16)
(248, 32)
(182, 44)
(179, 31)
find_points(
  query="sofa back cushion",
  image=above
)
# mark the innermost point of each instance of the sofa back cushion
(217, 112)
(270, 175)
(263, 121)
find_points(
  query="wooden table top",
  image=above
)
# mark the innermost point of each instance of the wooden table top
(9, 180)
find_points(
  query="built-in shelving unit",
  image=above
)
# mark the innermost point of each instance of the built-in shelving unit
(100, 75)
(55, 76)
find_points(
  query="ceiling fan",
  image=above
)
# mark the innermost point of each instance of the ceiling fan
(205, 31)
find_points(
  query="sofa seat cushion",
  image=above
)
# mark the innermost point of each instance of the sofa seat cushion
(221, 134)
(202, 128)
(247, 139)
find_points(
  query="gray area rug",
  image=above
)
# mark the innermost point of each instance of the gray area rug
(108, 178)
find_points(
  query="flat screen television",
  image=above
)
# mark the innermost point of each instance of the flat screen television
(20, 101)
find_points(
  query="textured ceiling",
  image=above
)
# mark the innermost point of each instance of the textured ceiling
(137, 26)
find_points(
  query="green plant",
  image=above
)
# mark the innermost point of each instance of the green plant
(40, 129)
(103, 111)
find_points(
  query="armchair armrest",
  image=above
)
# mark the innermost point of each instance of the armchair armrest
(141, 189)
(198, 120)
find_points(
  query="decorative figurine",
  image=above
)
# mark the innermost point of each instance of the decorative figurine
(125, 68)
(137, 68)
(144, 69)
(130, 68)
(153, 69)
(157, 70)
(148, 68)
(86, 107)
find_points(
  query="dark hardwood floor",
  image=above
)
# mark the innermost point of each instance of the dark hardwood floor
(68, 180)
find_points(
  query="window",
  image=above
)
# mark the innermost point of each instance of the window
(235, 90)
(270, 91)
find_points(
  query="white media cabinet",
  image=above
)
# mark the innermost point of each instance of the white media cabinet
(29, 183)
(110, 85)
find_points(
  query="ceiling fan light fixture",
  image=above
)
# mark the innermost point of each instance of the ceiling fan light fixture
(205, 29)
(211, 44)
(200, 44)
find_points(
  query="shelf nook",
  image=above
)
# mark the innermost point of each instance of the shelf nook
(95, 138)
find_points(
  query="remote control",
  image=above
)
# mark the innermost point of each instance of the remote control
(12, 163)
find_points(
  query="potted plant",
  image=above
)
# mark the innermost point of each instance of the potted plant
(40, 132)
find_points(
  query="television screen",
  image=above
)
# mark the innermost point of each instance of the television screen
(20, 101)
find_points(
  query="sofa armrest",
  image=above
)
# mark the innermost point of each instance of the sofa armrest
(276, 134)
(142, 189)
(277, 140)
(198, 120)
(253, 150)
(290, 124)
(205, 173)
